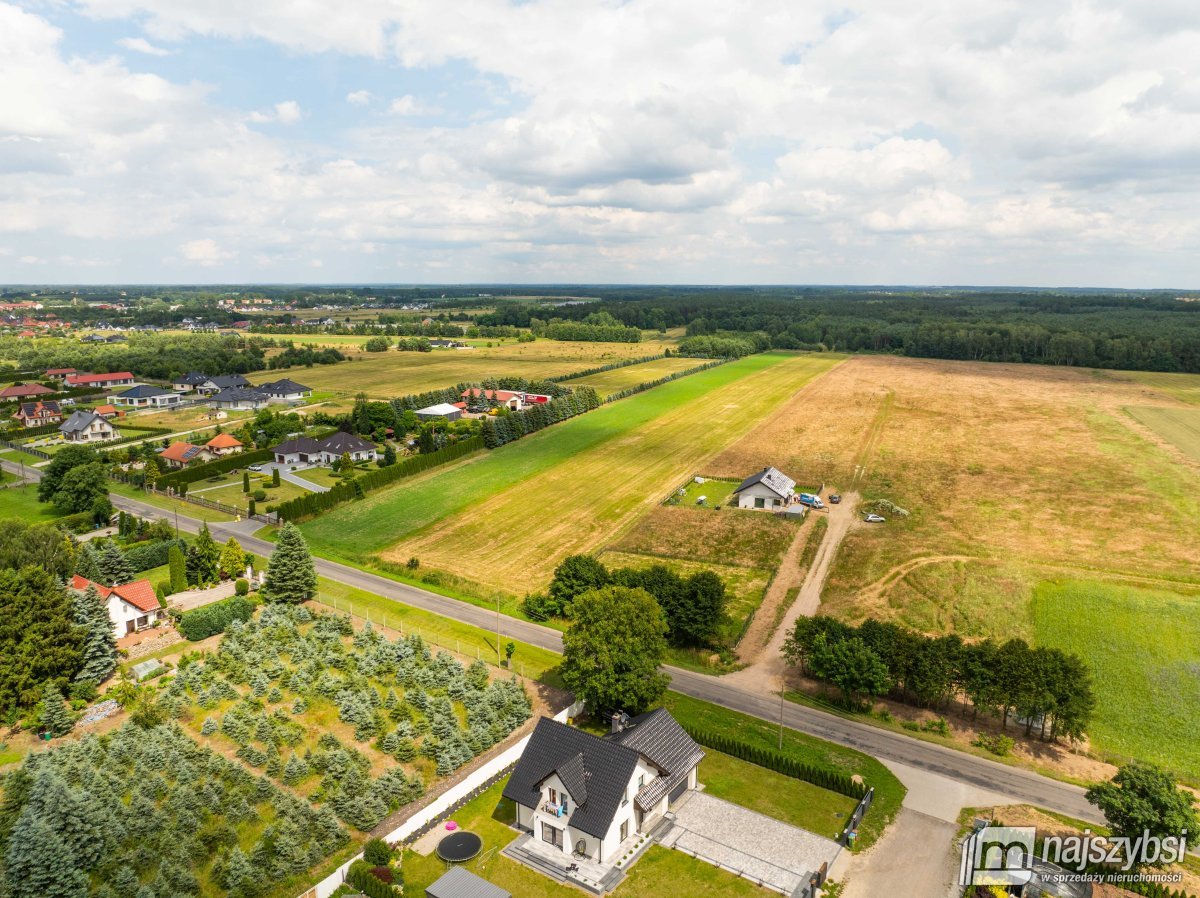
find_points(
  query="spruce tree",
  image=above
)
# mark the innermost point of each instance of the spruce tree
(178, 568)
(54, 716)
(291, 575)
(114, 569)
(85, 564)
(99, 641)
(34, 861)
(203, 558)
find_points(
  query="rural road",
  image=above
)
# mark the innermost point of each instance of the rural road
(957, 768)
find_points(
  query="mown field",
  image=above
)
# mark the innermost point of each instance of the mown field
(386, 375)
(1144, 648)
(1178, 426)
(608, 382)
(1184, 387)
(581, 499)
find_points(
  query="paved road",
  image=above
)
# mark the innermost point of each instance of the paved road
(1017, 784)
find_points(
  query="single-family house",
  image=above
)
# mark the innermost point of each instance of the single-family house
(36, 414)
(186, 383)
(25, 391)
(221, 382)
(180, 455)
(109, 411)
(238, 399)
(513, 399)
(59, 373)
(147, 396)
(441, 410)
(131, 606)
(769, 488)
(101, 381)
(307, 451)
(88, 427)
(224, 444)
(587, 795)
(445, 344)
(284, 390)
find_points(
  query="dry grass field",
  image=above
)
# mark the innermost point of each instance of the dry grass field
(727, 537)
(386, 375)
(579, 503)
(1178, 426)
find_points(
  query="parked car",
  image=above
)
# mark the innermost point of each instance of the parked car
(834, 499)
(874, 519)
(256, 468)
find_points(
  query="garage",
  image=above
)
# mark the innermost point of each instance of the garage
(678, 791)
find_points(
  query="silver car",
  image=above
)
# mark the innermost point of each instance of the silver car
(874, 519)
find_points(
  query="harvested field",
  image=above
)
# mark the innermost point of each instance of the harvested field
(577, 505)
(386, 375)
(1178, 426)
(745, 538)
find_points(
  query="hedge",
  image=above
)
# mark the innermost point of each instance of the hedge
(145, 556)
(779, 762)
(221, 466)
(360, 876)
(209, 620)
(80, 522)
(315, 503)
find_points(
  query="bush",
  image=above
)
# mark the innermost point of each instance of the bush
(258, 495)
(999, 745)
(361, 876)
(200, 623)
(150, 555)
(242, 586)
(377, 853)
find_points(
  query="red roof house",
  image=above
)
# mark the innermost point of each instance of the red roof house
(24, 391)
(131, 606)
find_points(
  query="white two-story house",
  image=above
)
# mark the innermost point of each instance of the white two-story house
(585, 795)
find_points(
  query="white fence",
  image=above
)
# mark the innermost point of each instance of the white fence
(440, 805)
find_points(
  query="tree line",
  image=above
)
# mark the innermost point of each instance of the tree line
(508, 426)
(1049, 690)
(150, 355)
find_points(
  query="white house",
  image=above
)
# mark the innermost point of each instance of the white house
(131, 606)
(147, 396)
(307, 451)
(221, 382)
(186, 383)
(238, 399)
(769, 488)
(587, 795)
(88, 427)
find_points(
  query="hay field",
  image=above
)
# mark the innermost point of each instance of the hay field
(608, 382)
(1009, 471)
(1178, 426)
(1183, 387)
(512, 538)
(386, 375)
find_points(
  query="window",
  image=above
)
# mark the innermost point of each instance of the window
(553, 797)
(624, 830)
(552, 835)
(641, 780)
(760, 502)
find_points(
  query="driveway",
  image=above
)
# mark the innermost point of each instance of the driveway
(758, 848)
(287, 473)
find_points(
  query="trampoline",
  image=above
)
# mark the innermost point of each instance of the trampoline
(459, 847)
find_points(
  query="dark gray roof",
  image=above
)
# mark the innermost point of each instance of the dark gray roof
(459, 883)
(225, 381)
(144, 391)
(237, 394)
(341, 443)
(283, 387)
(305, 445)
(772, 478)
(606, 768)
(659, 738)
(192, 378)
(79, 421)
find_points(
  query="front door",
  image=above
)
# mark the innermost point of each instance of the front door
(553, 835)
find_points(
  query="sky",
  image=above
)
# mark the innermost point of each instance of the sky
(593, 141)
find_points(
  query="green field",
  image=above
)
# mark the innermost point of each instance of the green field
(1184, 387)
(714, 493)
(1143, 647)
(386, 375)
(169, 506)
(22, 502)
(608, 382)
(568, 487)
(1178, 426)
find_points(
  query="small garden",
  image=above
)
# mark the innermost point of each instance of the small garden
(708, 493)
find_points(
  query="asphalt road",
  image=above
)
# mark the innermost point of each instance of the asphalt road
(1018, 784)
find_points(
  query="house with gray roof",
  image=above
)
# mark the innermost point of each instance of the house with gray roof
(769, 488)
(307, 451)
(147, 396)
(587, 795)
(238, 399)
(284, 390)
(88, 427)
(214, 385)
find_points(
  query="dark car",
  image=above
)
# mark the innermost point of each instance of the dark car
(834, 498)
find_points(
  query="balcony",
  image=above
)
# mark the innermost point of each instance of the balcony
(555, 809)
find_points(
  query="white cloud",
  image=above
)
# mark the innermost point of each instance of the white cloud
(286, 113)
(665, 140)
(141, 45)
(205, 251)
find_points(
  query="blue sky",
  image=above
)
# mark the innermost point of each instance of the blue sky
(588, 140)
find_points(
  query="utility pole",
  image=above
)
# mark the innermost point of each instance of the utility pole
(497, 629)
(781, 692)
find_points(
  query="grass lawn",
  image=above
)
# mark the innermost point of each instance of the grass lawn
(319, 476)
(714, 493)
(582, 495)
(22, 502)
(1142, 646)
(17, 455)
(775, 795)
(229, 491)
(660, 872)
(889, 792)
(191, 510)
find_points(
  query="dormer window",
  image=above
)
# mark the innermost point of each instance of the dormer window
(553, 796)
